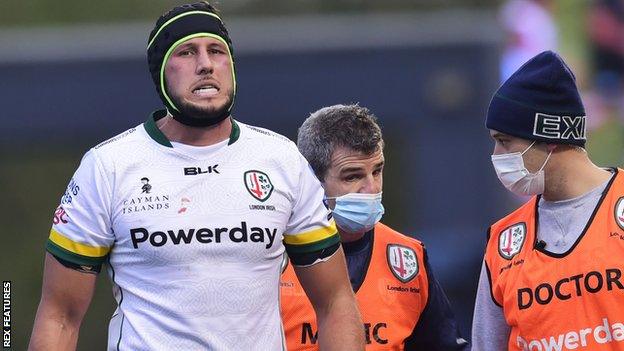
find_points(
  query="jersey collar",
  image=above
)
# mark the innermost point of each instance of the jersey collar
(158, 136)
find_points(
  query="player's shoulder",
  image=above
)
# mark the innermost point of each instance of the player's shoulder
(108, 151)
(392, 234)
(118, 141)
(265, 136)
(517, 217)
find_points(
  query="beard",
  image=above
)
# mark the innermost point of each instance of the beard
(203, 113)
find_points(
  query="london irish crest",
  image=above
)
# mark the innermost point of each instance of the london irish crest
(510, 240)
(403, 262)
(619, 212)
(258, 184)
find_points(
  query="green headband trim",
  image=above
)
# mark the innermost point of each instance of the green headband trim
(175, 45)
(178, 17)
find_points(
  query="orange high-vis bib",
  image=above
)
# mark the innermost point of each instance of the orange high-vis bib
(391, 298)
(569, 301)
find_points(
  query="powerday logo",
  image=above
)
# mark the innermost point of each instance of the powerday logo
(258, 184)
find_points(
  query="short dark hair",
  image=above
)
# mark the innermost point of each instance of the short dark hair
(350, 126)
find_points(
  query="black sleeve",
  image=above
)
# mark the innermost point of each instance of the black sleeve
(437, 329)
(308, 258)
(91, 269)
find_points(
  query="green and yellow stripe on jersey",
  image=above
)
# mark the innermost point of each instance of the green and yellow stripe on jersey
(75, 252)
(311, 241)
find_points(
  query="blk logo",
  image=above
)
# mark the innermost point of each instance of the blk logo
(199, 170)
(559, 127)
(146, 186)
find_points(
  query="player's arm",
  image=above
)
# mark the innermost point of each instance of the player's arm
(490, 331)
(65, 296)
(437, 329)
(313, 246)
(327, 285)
(79, 243)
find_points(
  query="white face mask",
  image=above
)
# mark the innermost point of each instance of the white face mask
(515, 177)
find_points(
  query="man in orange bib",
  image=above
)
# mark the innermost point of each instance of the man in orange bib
(552, 273)
(402, 305)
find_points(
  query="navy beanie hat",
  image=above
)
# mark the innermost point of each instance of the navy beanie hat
(540, 102)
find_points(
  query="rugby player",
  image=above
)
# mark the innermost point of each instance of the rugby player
(191, 212)
(402, 304)
(552, 273)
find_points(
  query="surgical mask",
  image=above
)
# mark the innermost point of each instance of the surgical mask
(356, 212)
(515, 177)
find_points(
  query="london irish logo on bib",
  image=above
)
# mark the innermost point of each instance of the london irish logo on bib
(619, 212)
(258, 184)
(402, 261)
(510, 240)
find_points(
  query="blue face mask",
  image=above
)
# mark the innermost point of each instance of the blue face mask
(357, 213)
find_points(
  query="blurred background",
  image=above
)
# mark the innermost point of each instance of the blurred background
(73, 73)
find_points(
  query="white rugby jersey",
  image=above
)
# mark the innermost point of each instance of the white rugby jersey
(193, 244)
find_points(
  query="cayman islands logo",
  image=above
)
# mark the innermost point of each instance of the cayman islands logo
(510, 240)
(619, 212)
(258, 184)
(402, 261)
